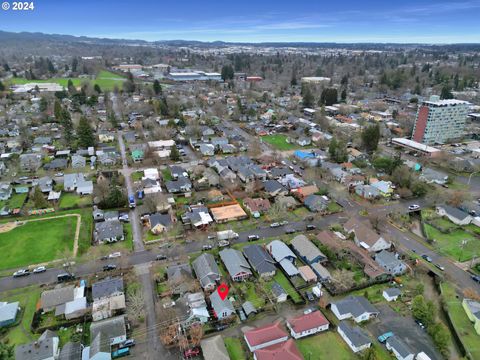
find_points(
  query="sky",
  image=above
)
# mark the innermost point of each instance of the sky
(406, 21)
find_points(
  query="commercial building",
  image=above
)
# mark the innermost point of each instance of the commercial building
(440, 121)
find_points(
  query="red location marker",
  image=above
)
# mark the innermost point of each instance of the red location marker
(223, 291)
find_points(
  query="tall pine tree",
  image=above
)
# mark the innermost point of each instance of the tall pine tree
(85, 134)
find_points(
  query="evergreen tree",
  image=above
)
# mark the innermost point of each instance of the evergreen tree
(97, 88)
(2, 87)
(157, 88)
(50, 66)
(293, 82)
(227, 72)
(329, 96)
(74, 64)
(70, 87)
(446, 93)
(85, 134)
(67, 126)
(343, 96)
(58, 111)
(308, 98)
(174, 154)
(6, 351)
(6, 67)
(43, 104)
(39, 200)
(371, 137)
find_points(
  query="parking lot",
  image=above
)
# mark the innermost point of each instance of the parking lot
(405, 328)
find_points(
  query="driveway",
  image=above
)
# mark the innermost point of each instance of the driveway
(405, 328)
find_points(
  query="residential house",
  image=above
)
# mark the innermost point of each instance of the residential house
(256, 205)
(356, 307)
(207, 149)
(307, 324)
(5, 191)
(56, 164)
(384, 187)
(138, 155)
(284, 256)
(227, 213)
(181, 185)
(391, 294)
(213, 348)
(151, 186)
(8, 313)
(282, 351)
(365, 237)
(71, 351)
(260, 260)
(273, 188)
(45, 184)
(472, 309)
(197, 217)
(108, 298)
(45, 348)
(390, 262)
(178, 172)
(316, 203)
(323, 275)
(288, 202)
(453, 214)
(221, 308)
(108, 232)
(30, 162)
(433, 177)
(400, 350)
(307, 274)
(356, 338)
(367, 191)
(160, 222)
(306, 250)
(198, 308)
(114, 330)
(206, 270)
(106, 137)
(180, 278)
(236, 264)
(78, 161)
(302, 192)
(265, 336)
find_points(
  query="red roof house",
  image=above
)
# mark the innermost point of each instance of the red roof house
(265, 336)
(307, 324)
(283, 351)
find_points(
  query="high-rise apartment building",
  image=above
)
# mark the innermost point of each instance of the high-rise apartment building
(440, 121)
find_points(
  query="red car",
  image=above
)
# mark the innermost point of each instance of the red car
(190, 353)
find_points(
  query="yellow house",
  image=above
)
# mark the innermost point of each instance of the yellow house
(472, 309)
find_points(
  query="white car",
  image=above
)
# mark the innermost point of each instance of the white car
(21, 272)
(414, 207)
(169, 304)
(69, 263)
(115, 255)
(39, 269)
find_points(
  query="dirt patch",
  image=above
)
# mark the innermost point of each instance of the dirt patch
(9, 226)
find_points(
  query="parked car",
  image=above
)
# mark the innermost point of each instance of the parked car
(68, 263)
(169, 304)
(161, 257)
(427, 258)
(211, 237)
(384, 337)
(207, 247)
(274, 225)
(128, 343)
(414, 207)
(290, 231)
(311, 227)
(39, 269)
(309, 296)
(283, 223)
(440, 267)
(476, 278)
(65, 277)
(123, 218)
(115, 255)
(221, 327)
(190, 353)
(253, 237)
(223, 243)
(21, 272)
(109, 267)
(419, 323)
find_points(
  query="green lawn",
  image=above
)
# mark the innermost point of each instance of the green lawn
(325, 346)
(105, 79)
(251, 295)
(72, 200)
(166, 175)
(36, 242)
(473, 228)
(443, 224)
(279, 142)
(16, 201)
(461, 323)
(137, 175)
(235, 349)
(28, 298)
(333, 207)
(451, 244)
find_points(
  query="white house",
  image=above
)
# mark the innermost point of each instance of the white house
(356, 339)
(265, 336)
(307, 324)
(399, 349)
(391, 294)
(455, 215)
(356, 307)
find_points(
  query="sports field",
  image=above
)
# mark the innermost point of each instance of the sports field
(36, 242)
(105, 79)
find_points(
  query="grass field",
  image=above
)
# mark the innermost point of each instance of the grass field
(105, 79)
(451, 244)
(36, 242)
(461, 323)
(16, 201)
(325, 346)
(71, 200)
(28, 298)
(279, 142)
(235, 349)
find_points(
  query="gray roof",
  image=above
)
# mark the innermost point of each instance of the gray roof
(272, 186)
(234, 262)
(399, 346)
(220, 306)
(356, 335)
(112, 328)
(8, 311)
(179, 272)
(108, 229)
(355, 305)
(393, 292)
(214, 348)
(387, 259)
(248, 308)
(259, 258)
(277, 289)
(100, 344)
(107, 287)
(163, 219)
(41, 349)
(54, 297)
(455, 212)
(71, 351)
(206, 269)
(279, 250)
(306, 249)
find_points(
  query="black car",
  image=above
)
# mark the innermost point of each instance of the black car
(290, 231)
(109, 267)
(427, 258)
(476, 278)
(161, 257)
(309, 296)
(253, 237)
(311, 227)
